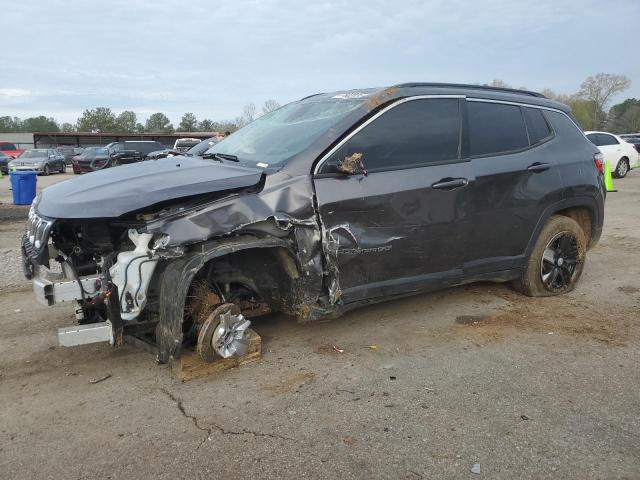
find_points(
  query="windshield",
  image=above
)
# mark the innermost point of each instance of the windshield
(34, 154)
(94, 152)
(187, 143)
(202, 147)
(274, 138)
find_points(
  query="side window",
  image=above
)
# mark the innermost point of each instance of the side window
(495, 128)
(607, 139)
(414, 133)
(593, 137)
(537, 126)
(7, 146)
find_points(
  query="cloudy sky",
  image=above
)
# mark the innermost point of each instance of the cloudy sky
(59, 57)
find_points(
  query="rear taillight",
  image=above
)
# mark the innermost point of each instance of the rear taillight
(598, 159)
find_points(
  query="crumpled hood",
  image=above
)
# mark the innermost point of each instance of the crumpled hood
(115, 191)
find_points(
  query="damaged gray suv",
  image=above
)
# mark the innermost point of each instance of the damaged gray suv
(331, 202)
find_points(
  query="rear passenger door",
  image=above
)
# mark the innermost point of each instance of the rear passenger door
(515, 179)
(400, 228)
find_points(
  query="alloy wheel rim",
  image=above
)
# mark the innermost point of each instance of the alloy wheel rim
(622, 168)
(560, 262)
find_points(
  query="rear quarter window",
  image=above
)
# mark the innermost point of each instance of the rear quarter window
(537, 126)
(495, 128)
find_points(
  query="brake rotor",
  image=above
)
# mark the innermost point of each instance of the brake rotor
(223, 333)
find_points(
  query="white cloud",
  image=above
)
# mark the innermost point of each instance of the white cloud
(15, 92)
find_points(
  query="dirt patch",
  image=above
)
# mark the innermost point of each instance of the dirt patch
(621, 242)
(292, 382)
(381, 97)
(328, 349)
(628, 289)
(471, 319)
(553, 316)
(12, 213)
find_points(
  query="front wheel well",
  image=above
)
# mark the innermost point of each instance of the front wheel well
(267, 272)
(262, 268)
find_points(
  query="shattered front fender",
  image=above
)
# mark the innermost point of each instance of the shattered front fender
(176, 279)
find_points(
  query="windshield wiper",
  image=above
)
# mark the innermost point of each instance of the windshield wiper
(221, 156)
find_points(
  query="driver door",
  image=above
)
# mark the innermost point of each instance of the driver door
(401, 227)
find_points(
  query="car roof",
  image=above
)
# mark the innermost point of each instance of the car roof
(596, 131)
(382, 95)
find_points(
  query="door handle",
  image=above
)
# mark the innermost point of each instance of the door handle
(538, 167)
(450, 183)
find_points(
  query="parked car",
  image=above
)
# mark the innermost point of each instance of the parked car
(41, 160)
(164, 153)
(4, 162)
(621, 155)
(331, 202)
(68, 151)
(635, 141)
(91, 159)
(125, 152)
(197, 150)
(10, 149)
(184, 144)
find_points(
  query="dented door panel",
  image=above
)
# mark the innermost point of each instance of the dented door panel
(389, 231)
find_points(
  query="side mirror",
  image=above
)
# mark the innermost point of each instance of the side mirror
(352, 165)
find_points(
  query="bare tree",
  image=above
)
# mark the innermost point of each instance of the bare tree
(558, 97)
(496, 82)
(599, 89)
(248, 115)
(270, 105)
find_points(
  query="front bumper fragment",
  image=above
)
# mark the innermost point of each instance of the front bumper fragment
(85, 334)
(50, 292)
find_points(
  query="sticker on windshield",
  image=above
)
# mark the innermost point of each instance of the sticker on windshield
(262, 165)
(348, 95)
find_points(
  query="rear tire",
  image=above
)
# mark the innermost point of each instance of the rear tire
(622, 168)
(63, 169)
(556, 261)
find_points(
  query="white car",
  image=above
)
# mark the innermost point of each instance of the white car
(621, 155)
(184, 144)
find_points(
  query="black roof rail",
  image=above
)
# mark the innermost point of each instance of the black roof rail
(477, 87)
(309, 96)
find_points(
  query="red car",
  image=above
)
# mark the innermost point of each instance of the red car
(10, 149)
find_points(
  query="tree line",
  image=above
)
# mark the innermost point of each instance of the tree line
(103, 119)
(590, 105)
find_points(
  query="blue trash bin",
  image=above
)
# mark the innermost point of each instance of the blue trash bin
(23, 187)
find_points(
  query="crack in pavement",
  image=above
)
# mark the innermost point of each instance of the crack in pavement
(213, 427)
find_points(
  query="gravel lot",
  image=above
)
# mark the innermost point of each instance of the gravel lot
(527, 388)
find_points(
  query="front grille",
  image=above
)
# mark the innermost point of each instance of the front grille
(37, 234)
